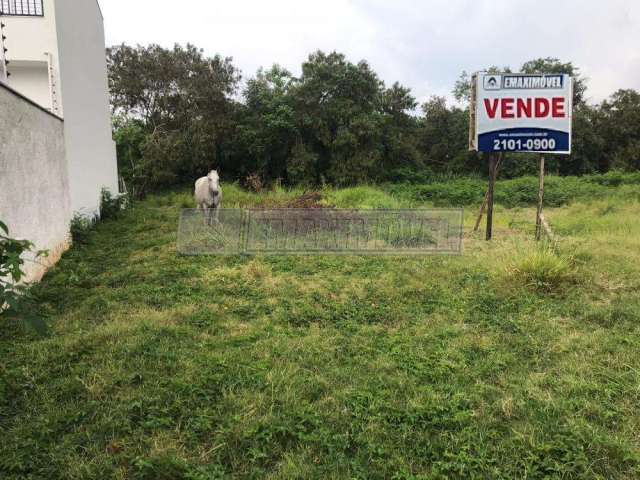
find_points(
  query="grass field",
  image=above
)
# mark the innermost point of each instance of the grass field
(510, 361)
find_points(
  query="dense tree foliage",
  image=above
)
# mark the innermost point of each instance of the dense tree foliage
(179, 113)
(173, 110)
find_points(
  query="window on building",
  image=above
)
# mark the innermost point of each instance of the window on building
(25, 8)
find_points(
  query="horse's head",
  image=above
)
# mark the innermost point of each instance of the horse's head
(214, 181)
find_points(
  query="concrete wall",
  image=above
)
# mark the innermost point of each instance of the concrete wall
(34, 182)
(70, 39)
(91, 153)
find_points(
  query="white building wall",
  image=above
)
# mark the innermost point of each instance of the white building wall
(91, 153)
(32, 81)
(31, 42)
(29, 37)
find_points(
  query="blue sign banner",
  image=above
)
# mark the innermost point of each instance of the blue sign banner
(524, 140)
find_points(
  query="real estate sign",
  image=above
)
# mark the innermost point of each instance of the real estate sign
(521, 113)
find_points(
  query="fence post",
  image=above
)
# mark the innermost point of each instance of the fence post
(492, 181)
(484, 201)
(540, 200)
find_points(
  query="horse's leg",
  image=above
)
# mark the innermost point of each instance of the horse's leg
(204, 213)
(217, 212)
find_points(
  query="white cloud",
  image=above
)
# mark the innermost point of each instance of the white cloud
(422, 44)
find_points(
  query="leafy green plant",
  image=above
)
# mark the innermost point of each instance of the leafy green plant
(80, 228)
(11, 268)
(111, 206)
(14, 294)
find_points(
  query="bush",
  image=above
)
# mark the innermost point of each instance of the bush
(542, 270)
(463, 191)
(410, 175)
(615, 178)
(111, 206)
(11, 264)
(253, 183)
(14, 295)
(361, 197)
(80, 228)
(517, 192)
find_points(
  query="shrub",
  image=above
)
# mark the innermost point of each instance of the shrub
(463, 191)
(615, 178)
(111, 206)
(542, 270)
(361, 197)
(80, 228)
(181, 200)
(516, 192)
(253, 183)
(13, 293)
(11, 264)
(410, 175)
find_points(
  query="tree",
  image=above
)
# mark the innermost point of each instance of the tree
(267, 131)
(399, 130)
(619, 125)
(183, 99)
(177, 115)
(336, 105)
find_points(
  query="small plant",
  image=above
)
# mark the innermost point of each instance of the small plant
(81, 227)
(11, 264)
(253, 183)
(543, 270)
(111, 206)
(13, 292)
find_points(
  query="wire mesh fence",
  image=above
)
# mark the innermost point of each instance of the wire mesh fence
(321, 231)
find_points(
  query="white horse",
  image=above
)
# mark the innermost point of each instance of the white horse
(209, 196)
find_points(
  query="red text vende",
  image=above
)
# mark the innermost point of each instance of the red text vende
(525, 107)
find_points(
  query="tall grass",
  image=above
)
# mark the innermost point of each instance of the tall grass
(522, 191)
(367, 197)
(542, 269)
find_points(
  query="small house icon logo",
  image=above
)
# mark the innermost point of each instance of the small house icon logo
(492, 82)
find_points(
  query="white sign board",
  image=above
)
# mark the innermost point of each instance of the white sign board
(522, 113)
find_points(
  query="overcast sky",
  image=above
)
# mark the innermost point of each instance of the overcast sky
(422, 44)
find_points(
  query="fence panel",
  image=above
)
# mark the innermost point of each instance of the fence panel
(321, 231)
